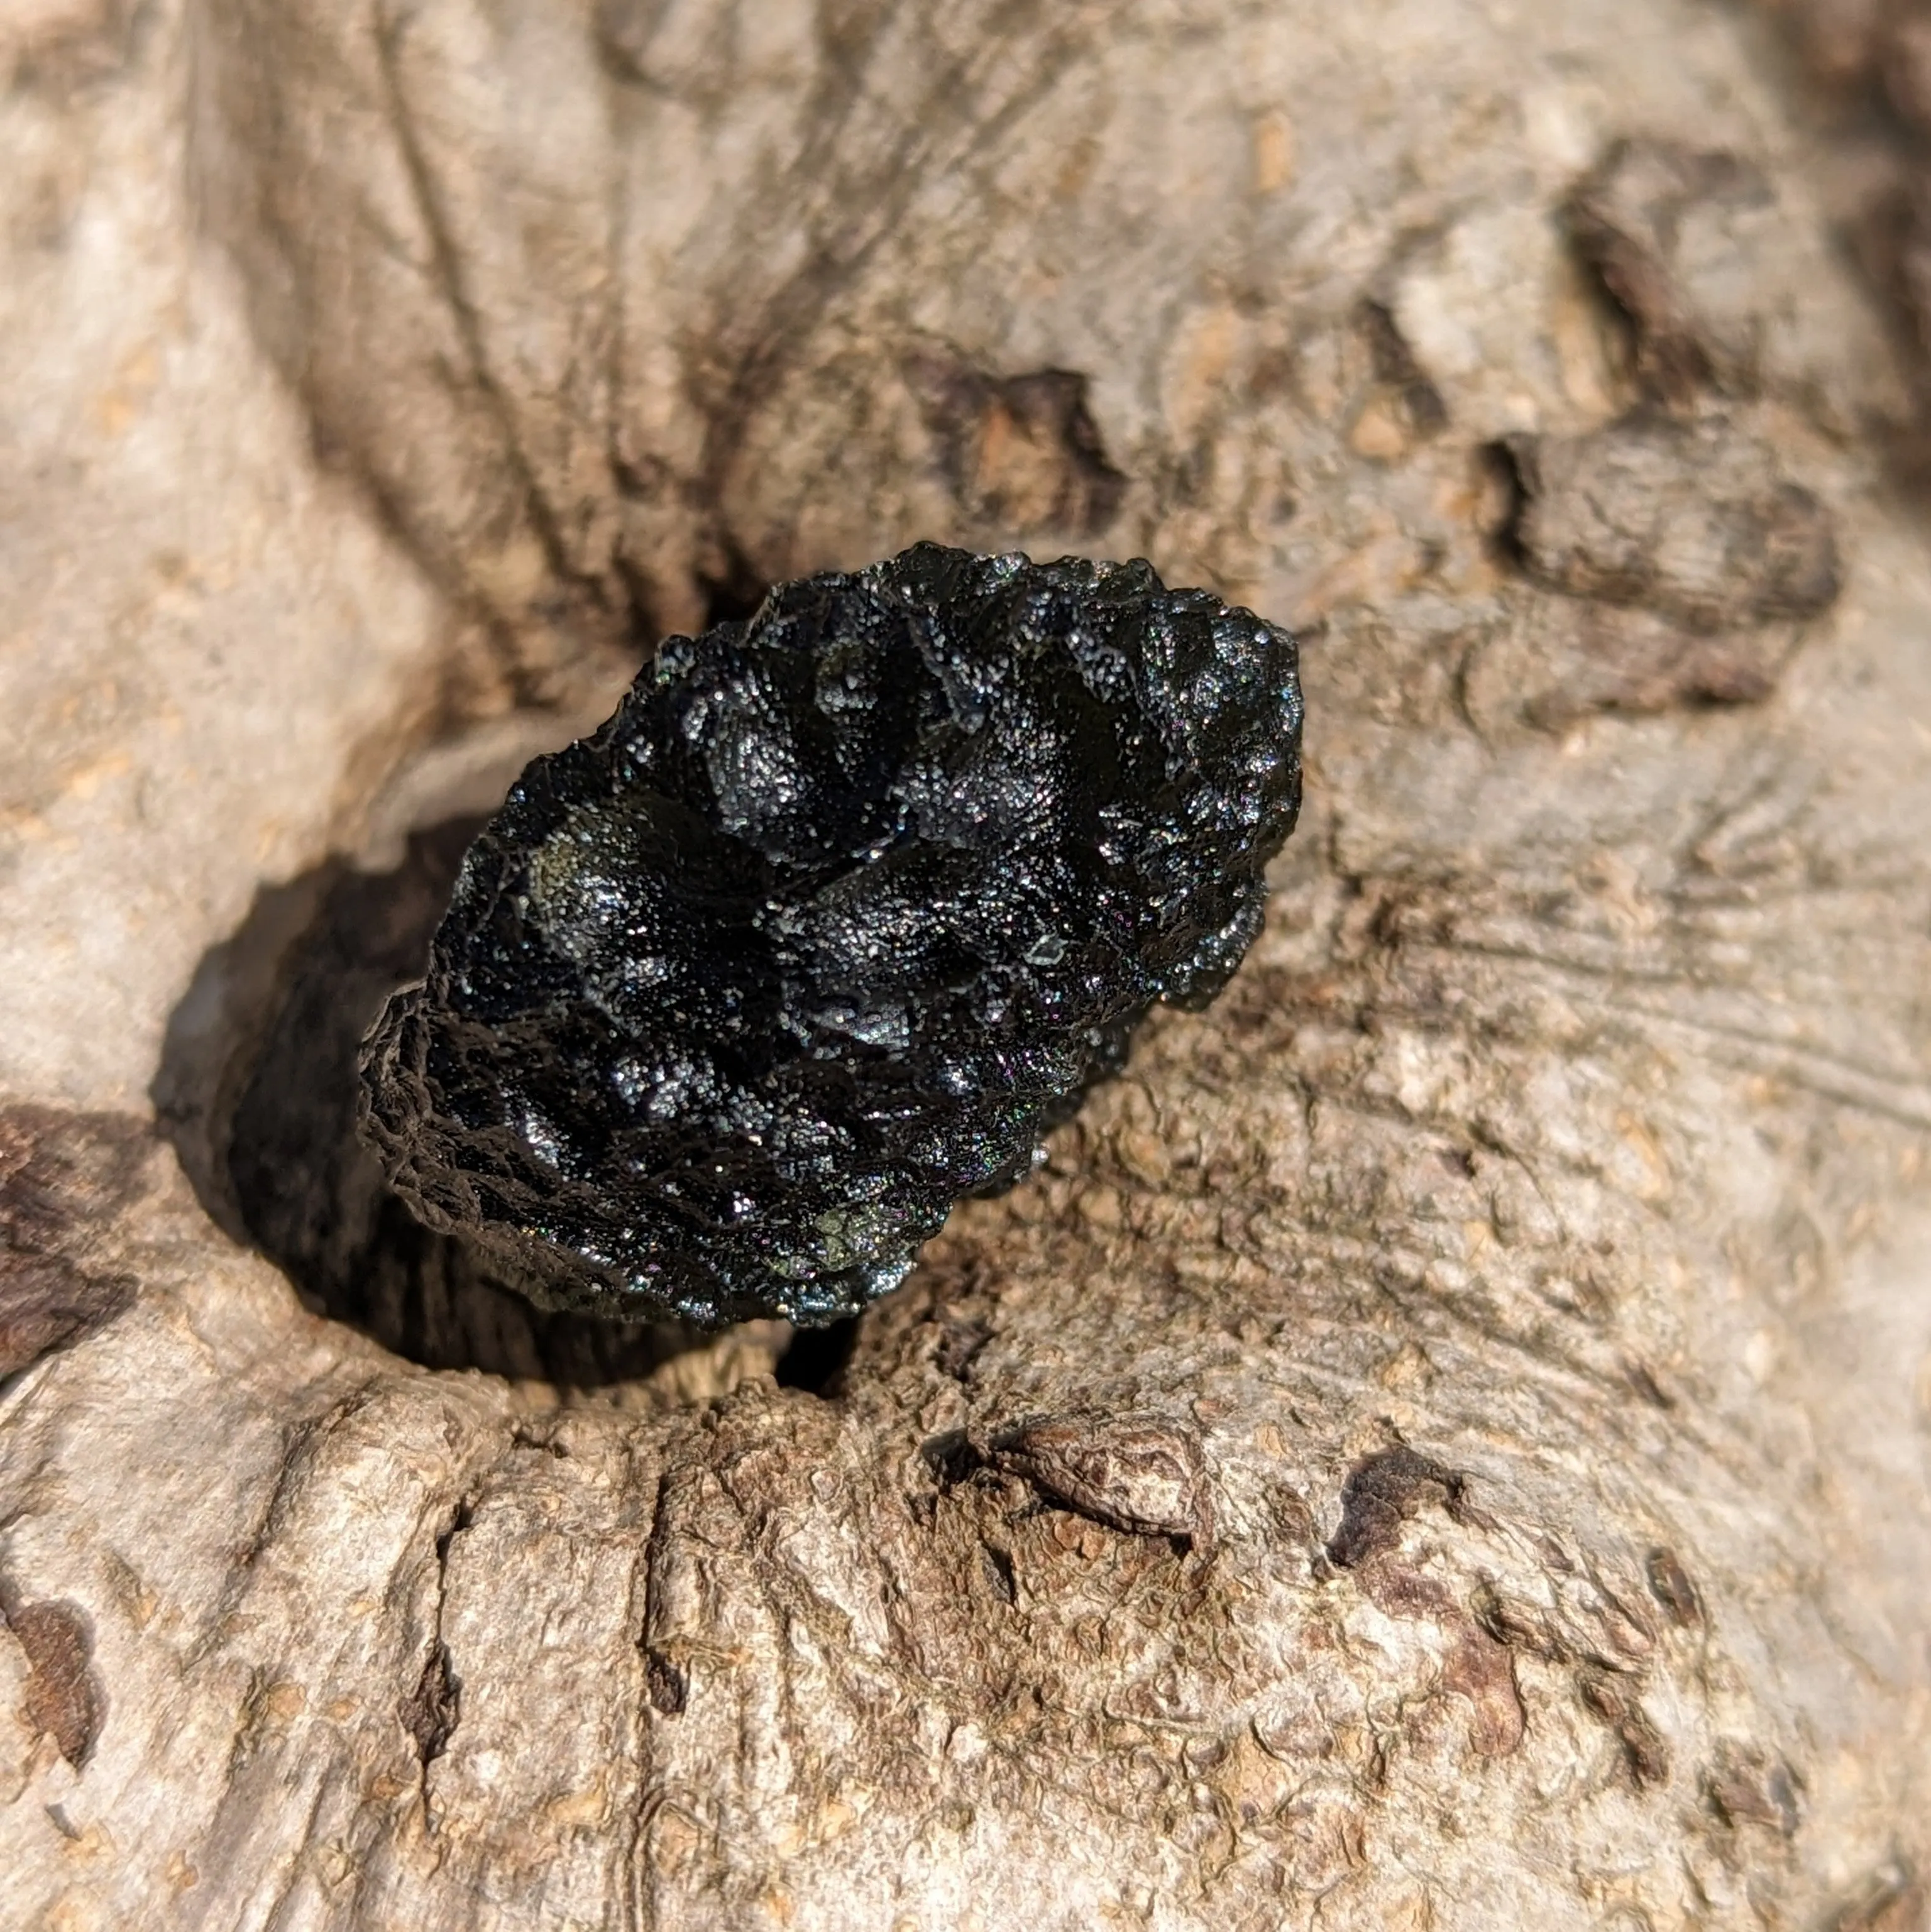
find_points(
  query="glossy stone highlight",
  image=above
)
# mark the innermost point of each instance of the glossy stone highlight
(842, 909)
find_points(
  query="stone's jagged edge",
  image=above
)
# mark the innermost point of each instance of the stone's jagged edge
(840, 910)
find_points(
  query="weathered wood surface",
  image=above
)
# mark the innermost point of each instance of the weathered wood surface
(1511, 1297)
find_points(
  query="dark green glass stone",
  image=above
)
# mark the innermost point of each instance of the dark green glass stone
(844, 908)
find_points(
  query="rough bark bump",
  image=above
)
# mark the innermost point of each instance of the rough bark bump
(63, 1699)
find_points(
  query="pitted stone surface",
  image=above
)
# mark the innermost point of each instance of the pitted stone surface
(842, 908)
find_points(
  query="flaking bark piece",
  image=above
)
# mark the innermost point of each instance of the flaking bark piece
(1141, 1473)
(1694, 522)
(843, 908)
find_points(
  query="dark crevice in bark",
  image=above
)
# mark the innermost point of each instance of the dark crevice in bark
(668, 1685)
(1400, 374)
(1499, 465)
(431, 1712)
(1023, 452)
(733, 595)
(257, 1090)
(997, 1567)
(1614, 1699)
(816, 1358)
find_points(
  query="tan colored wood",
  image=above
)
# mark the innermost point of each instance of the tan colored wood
(1524, 1267)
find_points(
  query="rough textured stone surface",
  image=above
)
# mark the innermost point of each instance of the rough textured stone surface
(837, 915)
(1531, 1243)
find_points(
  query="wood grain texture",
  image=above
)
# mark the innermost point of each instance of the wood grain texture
(1522, 1268)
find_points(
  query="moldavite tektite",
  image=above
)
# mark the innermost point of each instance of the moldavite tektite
(839, 912)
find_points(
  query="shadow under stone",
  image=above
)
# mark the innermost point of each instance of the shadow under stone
(816, 1359)
(256, 1091)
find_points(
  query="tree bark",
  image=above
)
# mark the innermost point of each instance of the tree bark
(1524, 1263)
